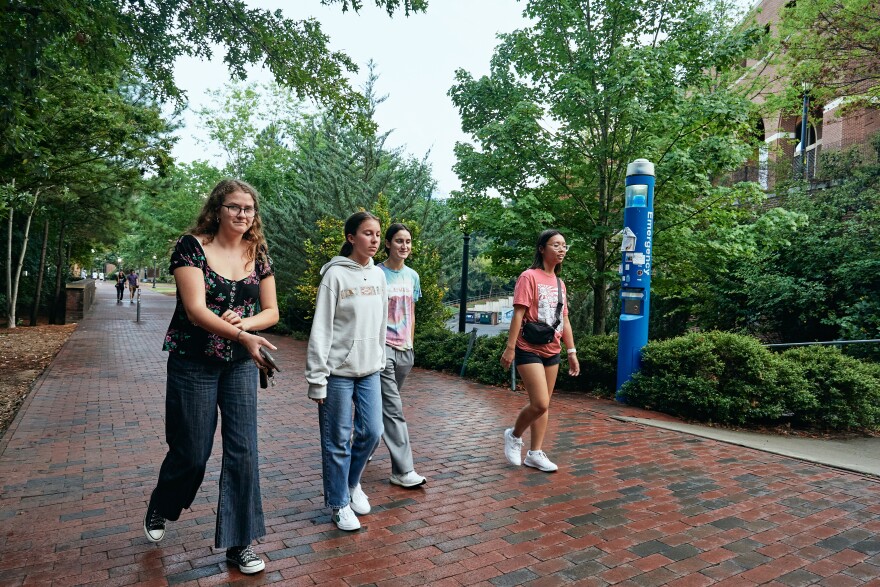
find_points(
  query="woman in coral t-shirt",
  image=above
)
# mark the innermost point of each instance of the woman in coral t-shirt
(535, 297)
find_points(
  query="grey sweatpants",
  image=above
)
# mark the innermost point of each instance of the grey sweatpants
(398, 364)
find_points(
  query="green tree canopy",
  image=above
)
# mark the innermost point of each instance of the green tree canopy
(572, 99)
(833, 44)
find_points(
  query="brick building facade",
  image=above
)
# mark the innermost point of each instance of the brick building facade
(829, 128)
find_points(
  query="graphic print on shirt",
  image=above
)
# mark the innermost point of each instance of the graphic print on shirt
(404, 289)
(547, 300)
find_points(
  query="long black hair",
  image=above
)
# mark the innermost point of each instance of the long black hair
(545, 236)
(394, 229)
(351, 226)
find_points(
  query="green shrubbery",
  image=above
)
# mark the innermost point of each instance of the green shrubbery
(443, 350)
(846, 390)
(731, 379)
(709, 377)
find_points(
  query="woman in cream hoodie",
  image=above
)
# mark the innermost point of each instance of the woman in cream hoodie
(345, 355)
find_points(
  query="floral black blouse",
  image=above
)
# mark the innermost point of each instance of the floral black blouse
(221, 294)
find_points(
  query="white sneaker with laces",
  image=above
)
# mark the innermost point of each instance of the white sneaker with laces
(512, 447)
(538, 460)
(346, 520)
(411, 479)
(359, 501)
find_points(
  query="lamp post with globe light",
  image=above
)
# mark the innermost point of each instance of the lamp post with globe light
(155, 272)
(805, 136)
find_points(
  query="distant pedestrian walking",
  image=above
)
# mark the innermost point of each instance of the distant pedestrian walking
(540, 320)
(133, 284)
(404, 290)
(120, 285)
(346, 352)
(224, 276)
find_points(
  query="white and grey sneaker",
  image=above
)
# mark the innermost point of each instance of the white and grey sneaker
(359, 501)
(346, 520)
(538, 460)
(154, 525)
(512, 447)
(411, 479)
(246, 559)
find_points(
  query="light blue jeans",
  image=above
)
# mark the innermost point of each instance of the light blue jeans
(350, 402)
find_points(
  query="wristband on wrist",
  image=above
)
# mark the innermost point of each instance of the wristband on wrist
(238, 336)
(572, 351)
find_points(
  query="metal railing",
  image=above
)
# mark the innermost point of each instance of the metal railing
(824, 342)
(501, 294)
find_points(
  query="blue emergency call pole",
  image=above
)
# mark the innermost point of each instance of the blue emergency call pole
(635, 269)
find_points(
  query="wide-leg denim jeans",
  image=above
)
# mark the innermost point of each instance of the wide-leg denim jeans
(350, 402)
(194, 392)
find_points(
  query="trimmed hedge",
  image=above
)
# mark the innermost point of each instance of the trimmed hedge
(731, 379)
(443, 350)
(708, 377)
(846, 390)
(716, 377)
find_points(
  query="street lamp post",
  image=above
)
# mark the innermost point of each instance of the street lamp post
(462, 304)
(155, 274)
(805, 130)
(96, 264)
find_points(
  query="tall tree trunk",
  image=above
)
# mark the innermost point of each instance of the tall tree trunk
(59, 277)
(600, 250)
(35, 307)
(600, 287)
(11, 317)
(9, 309)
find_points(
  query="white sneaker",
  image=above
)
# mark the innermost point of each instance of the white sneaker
(346, 520)
(359, 502)
(512, 447)
(411, 479)
(538, 460)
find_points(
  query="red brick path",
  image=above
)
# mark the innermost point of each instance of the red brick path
(630, 505)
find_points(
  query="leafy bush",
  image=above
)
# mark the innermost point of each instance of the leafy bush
(443, 350)
(484, 364)
(717, 377)
(440, 349)
(597, 356)
(846, 390)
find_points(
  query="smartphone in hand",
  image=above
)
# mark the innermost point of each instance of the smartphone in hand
(269, 359)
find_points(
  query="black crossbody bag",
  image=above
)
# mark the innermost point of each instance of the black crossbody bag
(541, 332)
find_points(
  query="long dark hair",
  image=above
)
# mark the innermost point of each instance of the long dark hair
(208, 221)
(545, 236)
(394, 229)
(351, 227)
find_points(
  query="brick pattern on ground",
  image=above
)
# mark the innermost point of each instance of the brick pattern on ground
(630, 505)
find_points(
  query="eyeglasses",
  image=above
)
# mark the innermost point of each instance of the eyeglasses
(236, 210)
(559, 247)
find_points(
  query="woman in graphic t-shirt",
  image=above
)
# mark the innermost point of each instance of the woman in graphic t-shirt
(404, 290)
(535, 298)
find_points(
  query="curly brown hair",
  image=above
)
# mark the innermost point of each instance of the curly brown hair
(208, 221)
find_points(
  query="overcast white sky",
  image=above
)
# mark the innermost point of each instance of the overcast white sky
(416, 58)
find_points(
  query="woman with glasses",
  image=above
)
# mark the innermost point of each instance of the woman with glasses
(538, 298)
(225, 291)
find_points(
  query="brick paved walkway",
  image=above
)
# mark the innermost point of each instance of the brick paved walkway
(630, 505)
